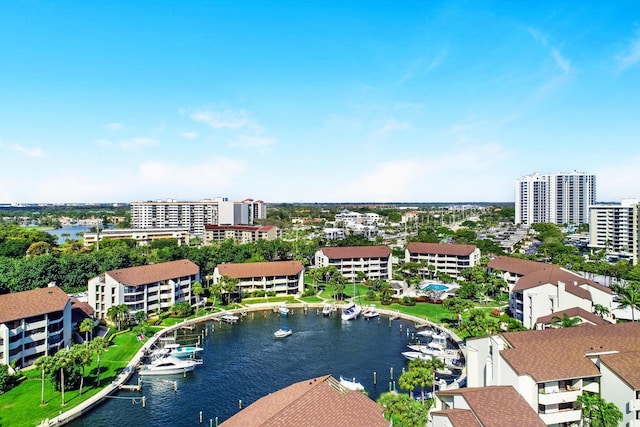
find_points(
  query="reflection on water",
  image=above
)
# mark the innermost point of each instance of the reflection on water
(244, 362)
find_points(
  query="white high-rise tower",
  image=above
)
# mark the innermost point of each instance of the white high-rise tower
(558, 198)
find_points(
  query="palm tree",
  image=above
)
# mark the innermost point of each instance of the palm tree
(565, 321)
(86, 326)
(99, 345)
(597, 412)
(409, 380)
(600, 310)
(62, 360)
(630, 297)
(45, 363)
(81, 355)
(196, 290)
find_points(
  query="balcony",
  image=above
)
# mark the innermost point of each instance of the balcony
(558, 397)
(568, 416)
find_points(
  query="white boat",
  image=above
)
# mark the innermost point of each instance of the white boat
(439, 336)
(168, 365)
(351, 384)
(412, 355)
(283, 310)
(327, 310)
(182, 352)
(351, 312)
(284, 331)
(229, 318)
(425, 333)
(371, 312)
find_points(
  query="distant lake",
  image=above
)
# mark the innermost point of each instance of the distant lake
(71, 230)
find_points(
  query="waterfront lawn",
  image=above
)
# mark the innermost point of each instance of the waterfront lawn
(434, 312)
(311, 299)
(264, 300)
(21, 405)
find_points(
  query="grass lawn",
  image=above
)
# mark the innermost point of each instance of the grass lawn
(21, 405)
(262, 300)
(311, 299)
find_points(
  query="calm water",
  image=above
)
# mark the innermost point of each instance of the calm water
(71, 230)
(245, 362)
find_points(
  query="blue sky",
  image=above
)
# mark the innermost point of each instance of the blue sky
(333, 101)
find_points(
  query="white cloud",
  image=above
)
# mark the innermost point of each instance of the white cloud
(392, 125)
(631, 56)
(537, 35)
(30, 152)
(561, 62)
(252, 141)
(224, 118)
(436, 177)
(115, 126)
(134, 143)
(189, 135)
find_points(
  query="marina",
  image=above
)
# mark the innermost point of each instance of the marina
(242, 362)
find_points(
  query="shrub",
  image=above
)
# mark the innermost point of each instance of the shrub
(408, 301)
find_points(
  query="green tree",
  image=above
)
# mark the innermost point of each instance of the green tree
(630, 297)
(479, 323)
(7, 380)
(597, 412)
(81, 356)
(457, 306)
(86, 326)
(197, 290)
(99, 345)
(565, 321)
(601, 310)
(409, 380)
(403, 410)
(46, 365)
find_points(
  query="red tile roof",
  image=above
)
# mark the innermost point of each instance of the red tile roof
(585, 315)
(516, 265)
(260, 269)
(154, 272)
(553, 274)
(20, 305)
(496, 406)
(555, 354)
(348, 252)
(317, 402)
(440, 248)
(625, 365)
(459, 417)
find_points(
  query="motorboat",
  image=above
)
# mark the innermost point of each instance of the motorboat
(412, 355)
(327, 310)
(229, 318)
(439, 336)
(284, 331)
(425, 333)
(351, 384)
(351, 312)
(283, 310)
(168, 365)
(371, 312)
(182, 352)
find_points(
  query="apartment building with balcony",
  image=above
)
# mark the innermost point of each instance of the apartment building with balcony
(280, 277)
(495, 406)
(148, 288)
(615, 228)
(34, 323)
(447, 258)
(557, 198)
(240, 233)
(551, 368)
(372, 261)
(142, 237)
(195, 215)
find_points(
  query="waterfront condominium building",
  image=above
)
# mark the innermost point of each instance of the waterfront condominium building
(614, 228)
(374, 262)
(147, 288)
(195, 215)
(557, 198)
(34, 323)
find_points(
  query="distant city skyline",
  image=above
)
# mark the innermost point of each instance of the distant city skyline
(441, 101)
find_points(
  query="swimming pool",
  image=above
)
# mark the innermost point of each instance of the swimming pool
(436, 287)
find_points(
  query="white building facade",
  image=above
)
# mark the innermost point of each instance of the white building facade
(34, 323)
(447, 258)
(195, 215)
(374, 262)
(558, 198)
(551, 368)
(615, 228)
(148, 288)
(278, 277)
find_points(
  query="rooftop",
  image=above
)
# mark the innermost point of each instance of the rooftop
(440, 248)
(154, 272)
(35, 302)
(260, 269)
